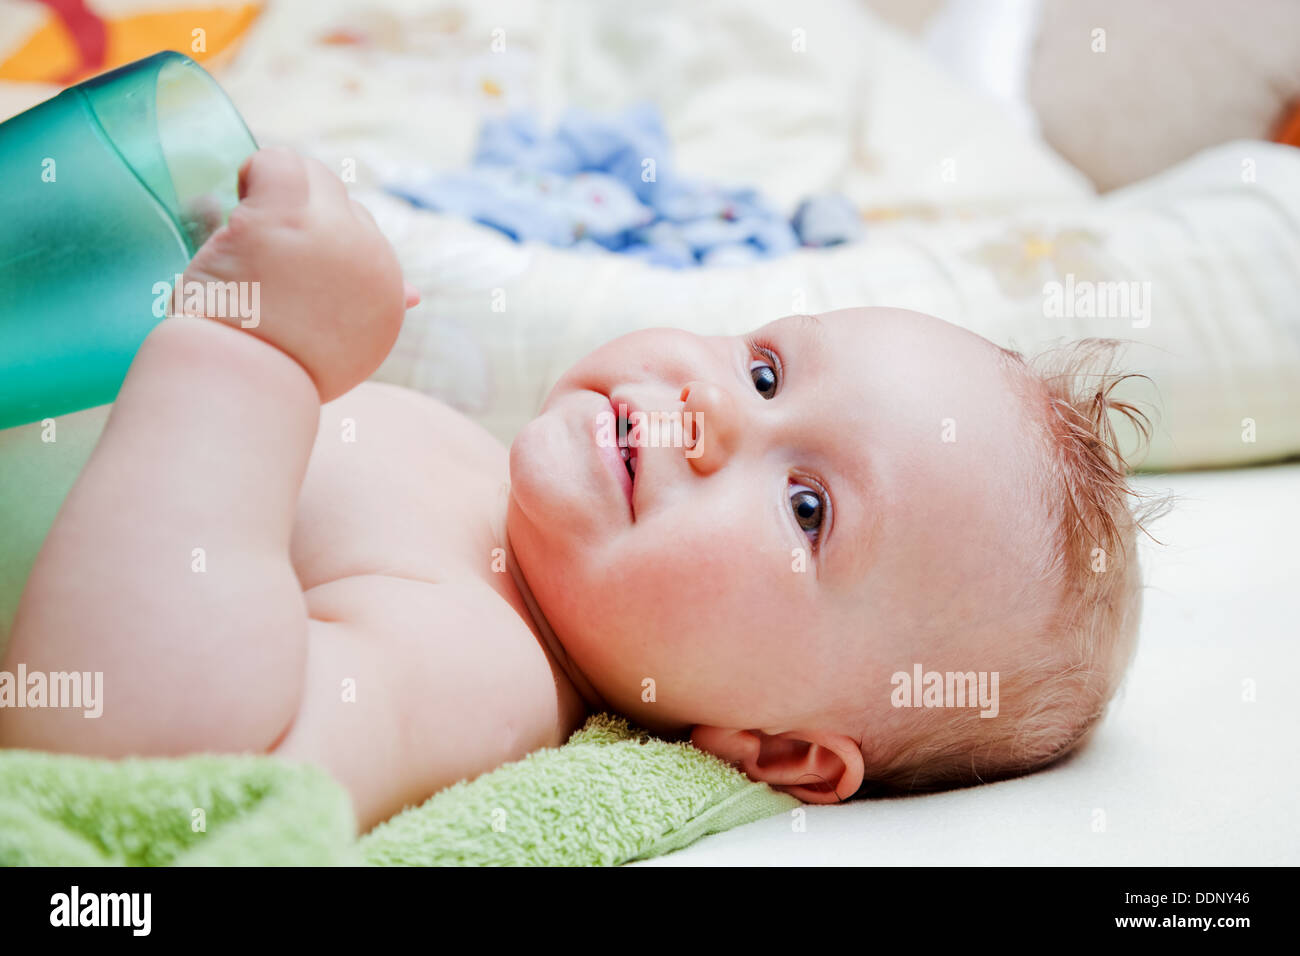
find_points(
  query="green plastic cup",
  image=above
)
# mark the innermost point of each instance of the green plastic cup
(106, 192)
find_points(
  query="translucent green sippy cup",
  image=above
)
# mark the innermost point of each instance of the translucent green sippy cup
(106, 192)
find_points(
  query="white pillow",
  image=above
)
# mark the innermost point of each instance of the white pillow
(501, 322)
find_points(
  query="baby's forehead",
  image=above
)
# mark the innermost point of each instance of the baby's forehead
(916, 350)
(900, 325)
(930, 408)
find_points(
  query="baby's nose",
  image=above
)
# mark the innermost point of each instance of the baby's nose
(709, 424)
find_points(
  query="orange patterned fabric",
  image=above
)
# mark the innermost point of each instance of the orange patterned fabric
(75, 42)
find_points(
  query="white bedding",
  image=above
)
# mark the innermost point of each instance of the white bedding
(1182, 771)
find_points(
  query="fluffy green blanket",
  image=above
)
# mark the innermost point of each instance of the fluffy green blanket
(610, 795)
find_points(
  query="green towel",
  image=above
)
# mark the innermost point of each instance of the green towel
(610, 795)
(205, 810)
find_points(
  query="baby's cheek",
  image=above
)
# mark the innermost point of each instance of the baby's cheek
(695, 578)
(716, 610)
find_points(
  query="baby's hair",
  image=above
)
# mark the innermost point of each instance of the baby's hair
(1050, 703)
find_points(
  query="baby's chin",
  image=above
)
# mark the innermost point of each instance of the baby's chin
(531, 490)
(561, 480)
(537, 503)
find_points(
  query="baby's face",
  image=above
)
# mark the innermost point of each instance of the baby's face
(858, 502)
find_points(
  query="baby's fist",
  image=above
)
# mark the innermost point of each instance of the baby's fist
(326, 283)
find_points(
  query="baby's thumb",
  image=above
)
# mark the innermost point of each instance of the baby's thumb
(273, 176)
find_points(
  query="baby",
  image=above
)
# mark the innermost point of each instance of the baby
(874, 552)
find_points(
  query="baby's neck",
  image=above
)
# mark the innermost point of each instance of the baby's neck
(576, 695)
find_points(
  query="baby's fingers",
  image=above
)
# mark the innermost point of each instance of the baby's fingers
(273, 177)
(280, 180)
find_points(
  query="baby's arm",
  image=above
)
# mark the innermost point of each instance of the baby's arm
(168, 566)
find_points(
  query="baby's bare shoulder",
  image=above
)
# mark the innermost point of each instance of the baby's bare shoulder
(399, 483)
(397, 417)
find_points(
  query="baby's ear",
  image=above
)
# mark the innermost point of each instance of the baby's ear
(814, 766)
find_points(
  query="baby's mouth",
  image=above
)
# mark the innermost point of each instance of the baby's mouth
(626, 449)
(626, 453)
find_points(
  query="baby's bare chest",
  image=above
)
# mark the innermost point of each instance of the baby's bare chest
(400, 532)
(399, 545)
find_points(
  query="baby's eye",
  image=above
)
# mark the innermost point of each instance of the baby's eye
(763, 372)
(808, 507)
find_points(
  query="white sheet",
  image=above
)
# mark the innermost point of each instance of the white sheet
(1182, 772)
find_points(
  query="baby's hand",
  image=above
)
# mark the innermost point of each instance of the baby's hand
(326, 283)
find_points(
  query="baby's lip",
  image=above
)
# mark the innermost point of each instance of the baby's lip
(625, 408)
(612, 459)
